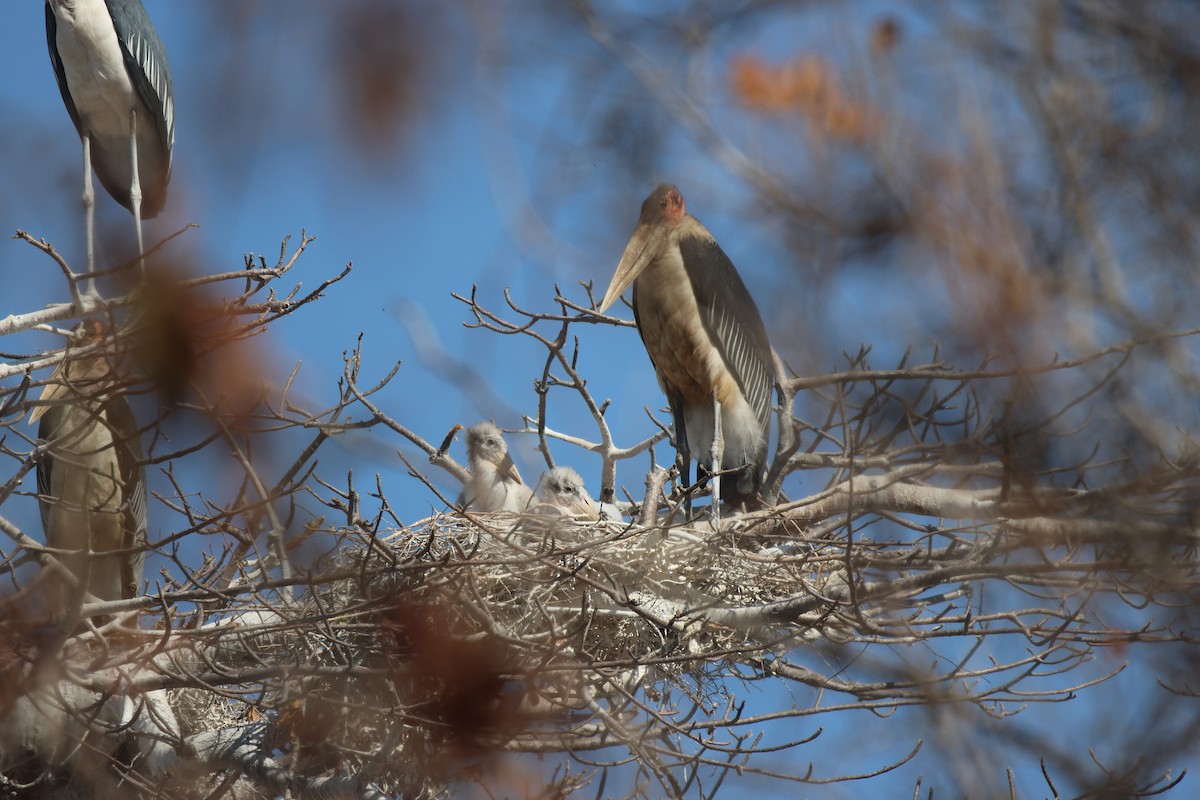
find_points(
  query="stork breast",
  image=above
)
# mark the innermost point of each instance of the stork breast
(95, 70)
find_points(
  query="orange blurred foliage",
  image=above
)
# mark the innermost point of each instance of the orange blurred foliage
(808, 86)
(885, 37)
(383, 53)
(189, 345)
(458, 679)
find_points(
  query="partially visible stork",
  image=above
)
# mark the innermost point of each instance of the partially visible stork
(495, 484)
(113, 74)
(562, 490)
(91, 480)
(707, 342)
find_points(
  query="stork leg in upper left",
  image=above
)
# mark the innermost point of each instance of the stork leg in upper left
(89, 213)
(135, 187)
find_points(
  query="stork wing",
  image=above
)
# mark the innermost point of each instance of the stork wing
(732, 320)
(56, 61)
(146, 63)
(128, 444)
(45, 468)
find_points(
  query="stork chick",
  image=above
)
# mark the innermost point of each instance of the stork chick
(561, 490)
(495, 483)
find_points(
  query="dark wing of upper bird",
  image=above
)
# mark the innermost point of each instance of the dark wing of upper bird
(732, 320)
(56, 61)
(146, 63)
(128, 445)
(45, 465)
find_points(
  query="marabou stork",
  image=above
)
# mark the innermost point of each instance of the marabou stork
(495, 484)
(561, 490)
(91, 480)
(707, 342)
(113, 74)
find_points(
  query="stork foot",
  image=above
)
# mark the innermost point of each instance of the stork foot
(87, 302)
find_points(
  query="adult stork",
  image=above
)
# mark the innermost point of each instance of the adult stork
(113, 74)
(495, 483)
(91, 481)
(707, 342)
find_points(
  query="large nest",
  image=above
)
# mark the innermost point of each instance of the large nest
(396, 657)
(464, 634)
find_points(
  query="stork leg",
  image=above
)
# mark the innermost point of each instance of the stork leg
(135, 186)
(683, 455)
(683, 462)
(717, 453)
(89, 212)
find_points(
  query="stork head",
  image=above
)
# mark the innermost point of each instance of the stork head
(485, 444)
(562, 489)
(79, 375)
(661, 212)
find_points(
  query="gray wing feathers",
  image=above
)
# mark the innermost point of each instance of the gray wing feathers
(128, 445)
(732, 319)
(752, 373)
(45, 466)
(146, 60)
